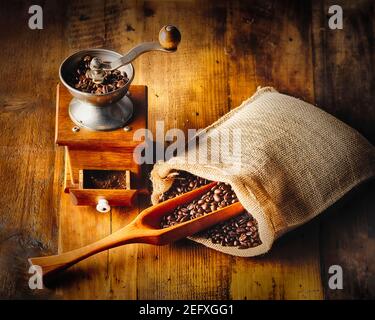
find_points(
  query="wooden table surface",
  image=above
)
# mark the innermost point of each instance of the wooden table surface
(227, 50)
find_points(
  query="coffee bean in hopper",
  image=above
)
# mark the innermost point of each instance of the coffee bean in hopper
(80, 80)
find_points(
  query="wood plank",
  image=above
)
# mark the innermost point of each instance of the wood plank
(187, 89)
(269, 44)
(123, 261)
(28, 215)
(185, 95)
(79, 226)
(345, 87)
(344, 77)
(284, 273)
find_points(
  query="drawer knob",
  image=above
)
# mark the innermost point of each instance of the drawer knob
(103, 206)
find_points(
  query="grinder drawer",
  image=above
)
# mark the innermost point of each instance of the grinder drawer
(103, 188)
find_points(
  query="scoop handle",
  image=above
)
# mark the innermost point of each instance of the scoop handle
(169, 38)
(129, 234)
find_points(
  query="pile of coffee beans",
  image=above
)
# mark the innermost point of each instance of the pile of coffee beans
(240, 231)
(113, 80)
(220, 196)
(183, 182)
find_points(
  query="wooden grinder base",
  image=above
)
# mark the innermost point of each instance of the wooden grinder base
(100, 150)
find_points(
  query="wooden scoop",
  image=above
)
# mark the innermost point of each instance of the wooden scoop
(145, 228)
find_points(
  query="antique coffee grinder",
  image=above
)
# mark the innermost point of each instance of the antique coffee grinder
(96, 129)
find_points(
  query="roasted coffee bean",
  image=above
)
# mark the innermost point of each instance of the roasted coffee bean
(205, 207)
(213, 207)
(217, 198)
(186, 182)
(205, 204)
(81, 80)
(242, 237)
(240, 231)
(236, 225)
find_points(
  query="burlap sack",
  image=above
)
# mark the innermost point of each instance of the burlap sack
(296, 161)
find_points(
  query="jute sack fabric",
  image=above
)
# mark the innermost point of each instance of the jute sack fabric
(296, 160)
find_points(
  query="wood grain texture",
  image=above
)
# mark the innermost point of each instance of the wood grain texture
(96, 140)
(90, 197)
(344, 86)
(28, 201)
(269, 44)
(195, 94)
(228, 48)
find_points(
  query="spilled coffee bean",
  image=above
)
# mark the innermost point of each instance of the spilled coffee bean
(113, 80)
(240, 231)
